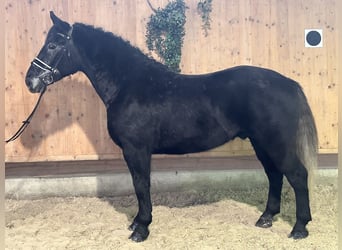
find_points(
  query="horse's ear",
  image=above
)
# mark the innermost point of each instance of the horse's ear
(64, 26)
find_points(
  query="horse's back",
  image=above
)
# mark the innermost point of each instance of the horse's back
(245, 92)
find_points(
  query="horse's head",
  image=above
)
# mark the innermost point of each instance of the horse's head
(56, 59)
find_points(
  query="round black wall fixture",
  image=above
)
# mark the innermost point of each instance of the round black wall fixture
(313, 38)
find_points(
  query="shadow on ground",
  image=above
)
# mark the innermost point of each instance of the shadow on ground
(256, 197)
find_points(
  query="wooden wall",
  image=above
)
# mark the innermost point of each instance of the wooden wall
(71, 120)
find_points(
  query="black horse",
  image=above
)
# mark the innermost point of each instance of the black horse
(151, 110)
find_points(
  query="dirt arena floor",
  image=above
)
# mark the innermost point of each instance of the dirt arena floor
(212, 218)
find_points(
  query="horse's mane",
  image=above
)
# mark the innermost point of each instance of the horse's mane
(98, 43)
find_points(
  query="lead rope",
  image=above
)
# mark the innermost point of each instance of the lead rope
(27, 121)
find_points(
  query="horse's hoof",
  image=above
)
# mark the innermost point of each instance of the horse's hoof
(140, 232)
(139, 236)
(264, 222)
(299, 234)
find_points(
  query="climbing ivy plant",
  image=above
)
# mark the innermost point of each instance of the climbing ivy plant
(165, 33)
(204, 8)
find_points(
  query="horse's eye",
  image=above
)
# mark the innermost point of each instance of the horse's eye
(52, 46)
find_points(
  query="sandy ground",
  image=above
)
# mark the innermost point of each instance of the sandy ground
(215, 218)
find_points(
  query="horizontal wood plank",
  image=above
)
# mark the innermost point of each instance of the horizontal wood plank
(80, 168)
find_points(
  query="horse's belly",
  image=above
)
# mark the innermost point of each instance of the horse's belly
(185, 142)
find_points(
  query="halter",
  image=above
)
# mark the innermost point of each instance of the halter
(51, 72)
(47, 77)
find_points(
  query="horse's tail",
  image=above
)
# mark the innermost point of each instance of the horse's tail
(307, 140)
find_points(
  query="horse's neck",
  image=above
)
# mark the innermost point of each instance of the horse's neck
(103, 78)
(105, 87)
(108, 70)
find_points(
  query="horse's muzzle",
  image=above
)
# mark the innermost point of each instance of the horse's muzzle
(35, 84)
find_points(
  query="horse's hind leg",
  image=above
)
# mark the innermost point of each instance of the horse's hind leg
(275, 178)
(297, 176)
(285, 162)
(139, 164)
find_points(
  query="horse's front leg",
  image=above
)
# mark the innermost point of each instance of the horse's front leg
(139, 164)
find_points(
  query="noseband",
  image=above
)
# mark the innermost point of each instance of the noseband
(51, 72)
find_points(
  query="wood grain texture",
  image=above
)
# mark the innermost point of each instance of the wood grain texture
(71, 121)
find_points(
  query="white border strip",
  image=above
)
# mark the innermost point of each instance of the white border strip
(121, 184)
